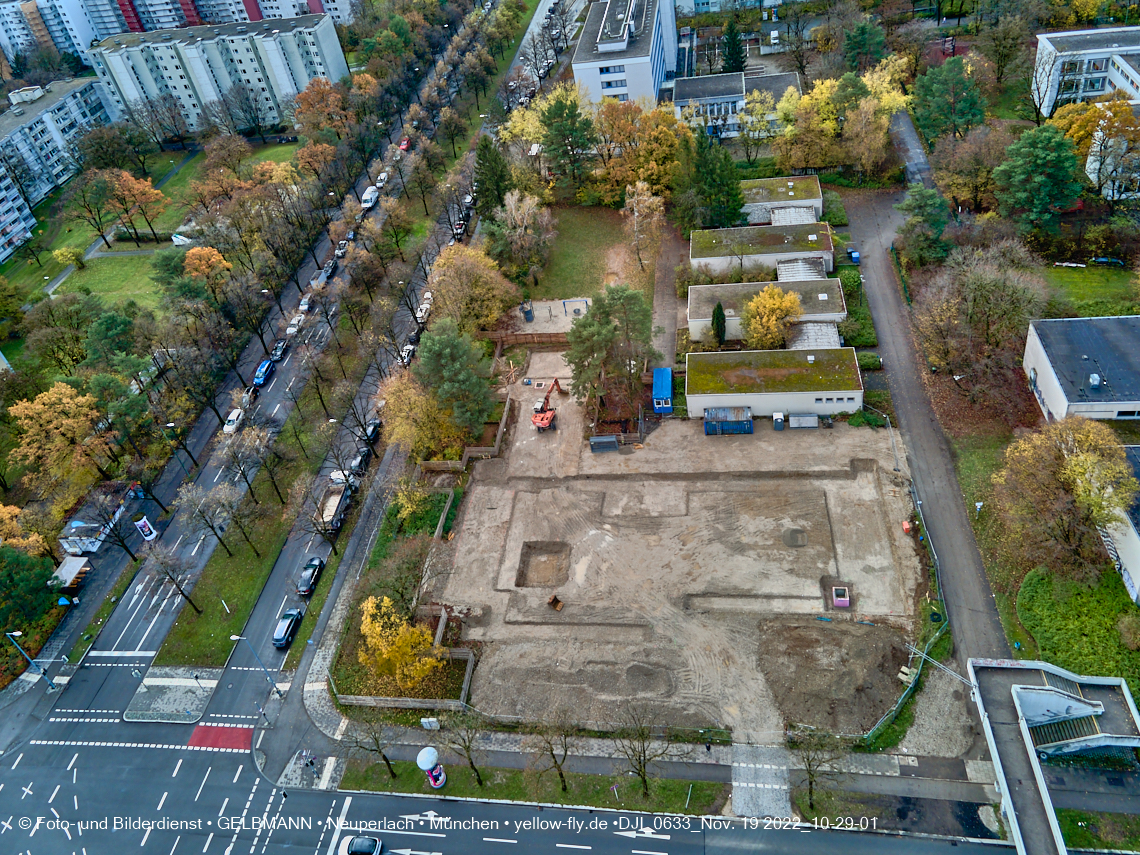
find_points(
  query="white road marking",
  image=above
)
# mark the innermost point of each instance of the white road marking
(286, 362)
(199, 543)
(339, 825)
(275, 409)
(73, 773)
(219, 475)
(53, 793)
(161, 802)
(177, 766)
(201, 785)
(179, 540)
(290, 386)
(145, 836)
(648, 851)
(208, 839)
(326, 773)
(134, 653)
(499, 840)
(238, 772)
(570, 846)
(18, 759)
(170, 746)
(72, 763)
(271, 382)
(75, 800)
(284, 600)
(175, 846)
(223, 810)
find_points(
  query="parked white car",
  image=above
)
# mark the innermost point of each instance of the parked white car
(306, 304)
(295, 325)
(233, 423)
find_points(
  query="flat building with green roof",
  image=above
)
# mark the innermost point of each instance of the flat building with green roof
(821, 300)
(752, 248)
(825, 382)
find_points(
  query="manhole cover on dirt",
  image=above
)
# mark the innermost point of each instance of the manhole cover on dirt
(794, 537)
(543, 564)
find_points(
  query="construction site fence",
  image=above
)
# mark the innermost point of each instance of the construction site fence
(507, 339)
(472, 452)
(894, 711)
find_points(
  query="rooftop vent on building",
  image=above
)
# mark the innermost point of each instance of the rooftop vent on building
(1094, 381)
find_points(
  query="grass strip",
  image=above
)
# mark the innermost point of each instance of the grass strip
(665, 795)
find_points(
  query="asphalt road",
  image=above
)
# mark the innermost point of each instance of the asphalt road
(218, 803)
(973, 616)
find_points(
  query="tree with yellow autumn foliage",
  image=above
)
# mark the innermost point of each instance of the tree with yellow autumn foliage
(768, 317)
(394, 647)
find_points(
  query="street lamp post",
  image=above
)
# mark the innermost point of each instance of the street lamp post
(268, 678)
(12, 636)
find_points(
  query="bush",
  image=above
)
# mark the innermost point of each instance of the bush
(1129, 628)
(764, 167)
(870, 362)
(852, 281)
(867, 418)
(858, 330)
(833, 210)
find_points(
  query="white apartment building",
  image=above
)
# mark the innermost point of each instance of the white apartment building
(38, 132)
(627, 49)
(1080, 65)
(42, 124)
(198, 65)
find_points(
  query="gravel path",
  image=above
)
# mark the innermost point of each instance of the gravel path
(943, 725)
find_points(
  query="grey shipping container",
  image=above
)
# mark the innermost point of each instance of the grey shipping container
(720, 421)
(803, 420)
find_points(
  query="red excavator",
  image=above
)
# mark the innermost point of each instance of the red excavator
(544, 414)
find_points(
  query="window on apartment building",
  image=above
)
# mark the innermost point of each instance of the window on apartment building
(1094, 84)
(1095, 65)
(612, 69)
(623, 97)
(1071, 66)
(614, 84)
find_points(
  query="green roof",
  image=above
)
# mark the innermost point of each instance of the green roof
(767, 371)
(762, 190)
(762, 240)
(734, 295)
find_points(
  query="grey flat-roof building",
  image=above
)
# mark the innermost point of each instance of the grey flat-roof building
(1086, 367)
(1080, 65)
(713, 101)
(627, 49)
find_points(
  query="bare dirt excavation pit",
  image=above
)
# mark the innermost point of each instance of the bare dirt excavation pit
(693, 573)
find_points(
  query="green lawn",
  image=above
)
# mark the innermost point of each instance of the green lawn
(977, 459)
(577, 265)
(1095, 291)
(665, 796)
(1099, 830)
(116, 279)
(1006, 105)
(1075, 626)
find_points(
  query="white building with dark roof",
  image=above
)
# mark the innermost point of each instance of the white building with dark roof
(627, 49)
(715, 100)
(1086, 367)
(274, 60)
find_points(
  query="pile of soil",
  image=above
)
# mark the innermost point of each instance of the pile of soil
(839, 676)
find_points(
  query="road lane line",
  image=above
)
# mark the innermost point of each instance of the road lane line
(18, 759)
(53, 793)
(179, 540)
(499, 840)
(201, 785)
(72, 763)
(161, 802)
(648, 852)
(339, 826)
(284, 600)
(275, 409)
(177, 766)
(223, 810)
(290, 386)
(208, 839)
(219, 475)
(175, 846)
(145, 836)
(199, 543)
(570, 846)
(238, 772)
(75, 800)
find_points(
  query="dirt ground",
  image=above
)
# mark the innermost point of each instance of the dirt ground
(692, 573)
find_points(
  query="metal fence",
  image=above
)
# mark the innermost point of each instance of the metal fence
(894, 711)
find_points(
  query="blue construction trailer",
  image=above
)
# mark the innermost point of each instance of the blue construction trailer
(662, 390)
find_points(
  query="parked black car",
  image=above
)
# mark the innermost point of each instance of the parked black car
(372, 429)
(359, 464)
(310, 575)
(279, 348)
